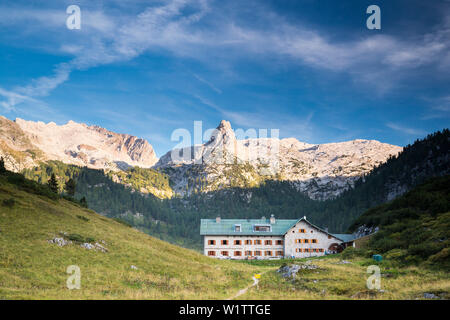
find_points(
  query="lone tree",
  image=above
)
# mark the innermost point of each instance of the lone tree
(70, 187)
(53, 184)
(2, 166)
(83, 202)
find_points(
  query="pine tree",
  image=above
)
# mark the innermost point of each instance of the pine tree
(2, 166)
(83, 202)
(53, 184)
(70, 187)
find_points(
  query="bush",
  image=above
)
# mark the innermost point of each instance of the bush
(83, 218)
(351, 252)
(442, 256)
(426, 249)
(396, 254)
(9, 202)
(76, 237)
(89, 239)
(122, 222)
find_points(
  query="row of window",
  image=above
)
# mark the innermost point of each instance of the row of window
(308, 250)
(305, 240)
(246, 242)
(267, 253)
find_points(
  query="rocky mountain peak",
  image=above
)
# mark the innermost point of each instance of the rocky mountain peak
(83, 145)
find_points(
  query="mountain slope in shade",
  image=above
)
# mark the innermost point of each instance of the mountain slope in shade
(72, 143)
(321, 170)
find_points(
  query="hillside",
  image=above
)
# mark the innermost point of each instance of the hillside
(33, 268)
(415, 227)
(119, 262)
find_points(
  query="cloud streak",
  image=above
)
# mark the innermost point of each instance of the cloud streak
(177, 26)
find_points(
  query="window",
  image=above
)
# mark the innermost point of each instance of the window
(268, 253)
(257, 241)
(224, 253)
(279, 253)
(268, 242)
(262, 228)
(248, 253)
(224, 242)
(314, 240)
(211, 253)
(211, 242)
(237, 242)
(237, 228)
(257, 253)
(306, 241)
(248, 241)
(237, 253)
(279, 242)
(302, 230)
(329, 237)
(320, 250)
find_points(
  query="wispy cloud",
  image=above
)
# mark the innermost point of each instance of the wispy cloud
(175, 26)
(405, 130)
(439, 108)
(209, 84)
(289, 126)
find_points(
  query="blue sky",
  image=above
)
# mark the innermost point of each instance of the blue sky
(309, 68)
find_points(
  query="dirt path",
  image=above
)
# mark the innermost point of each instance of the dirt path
(242, 291)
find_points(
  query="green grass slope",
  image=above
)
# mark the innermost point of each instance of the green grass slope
(33, 268)
(414, 228)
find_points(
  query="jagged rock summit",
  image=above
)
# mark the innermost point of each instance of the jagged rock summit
(321, 170)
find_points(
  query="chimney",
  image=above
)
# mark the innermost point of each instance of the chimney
(272, 219)
(218, 219)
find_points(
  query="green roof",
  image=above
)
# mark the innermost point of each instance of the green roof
(226, 226)
(279, 228)
(344, 237)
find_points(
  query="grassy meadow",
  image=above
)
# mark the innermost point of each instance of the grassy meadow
(33, 268)
(336, 280)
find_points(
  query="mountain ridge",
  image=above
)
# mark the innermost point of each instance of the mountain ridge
(230, 158)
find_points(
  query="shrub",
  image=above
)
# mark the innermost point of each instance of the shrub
(122, 222)
(351, 252)
(425, 249)
(83, 218)
(396, 254)
(89, 239)
(442, 256)
(76, 237)
(9, 202)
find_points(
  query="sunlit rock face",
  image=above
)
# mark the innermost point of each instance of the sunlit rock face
(322, 171)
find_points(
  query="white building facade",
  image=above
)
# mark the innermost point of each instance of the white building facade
(268, 239)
